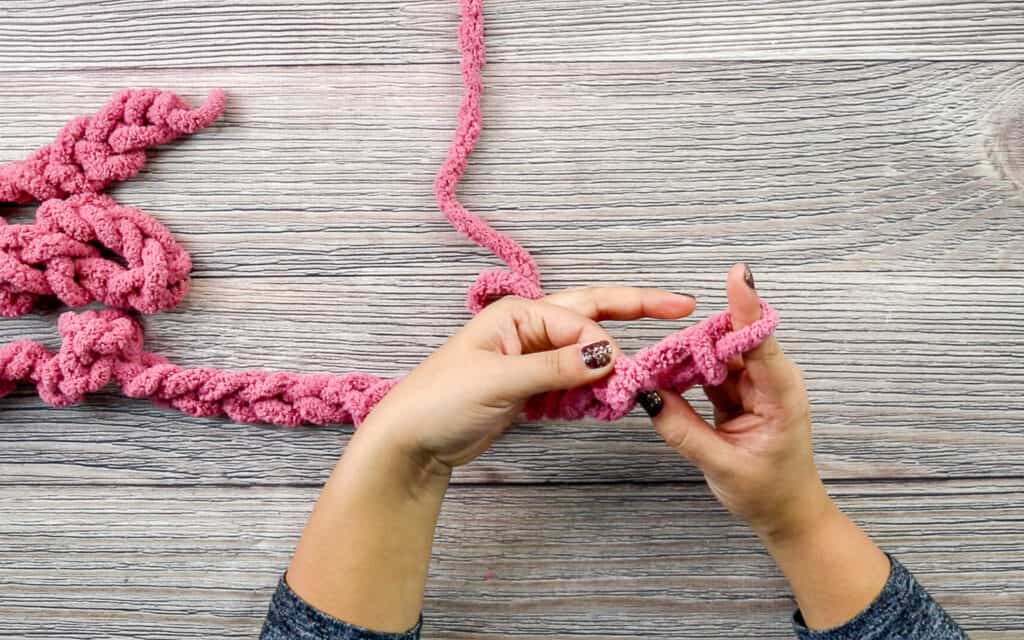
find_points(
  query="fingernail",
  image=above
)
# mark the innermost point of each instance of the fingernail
(686, 295)
(748, 277)
(651, 402)
(597, 355)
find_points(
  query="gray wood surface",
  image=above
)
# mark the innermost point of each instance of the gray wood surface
(866, 158)
(44, 35)
(609, 170)
(602, 561)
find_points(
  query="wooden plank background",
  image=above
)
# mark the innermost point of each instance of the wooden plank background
(865, 157)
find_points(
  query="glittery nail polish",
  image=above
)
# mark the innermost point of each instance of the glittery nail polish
(597, 355)
(748, 277)
(651, 402)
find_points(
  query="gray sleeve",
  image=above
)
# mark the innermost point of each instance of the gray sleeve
(291, 618)
(903, 610)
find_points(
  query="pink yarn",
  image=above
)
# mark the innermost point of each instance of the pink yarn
(59, 256)
(91, 152)
(100, 347)
(523, 278)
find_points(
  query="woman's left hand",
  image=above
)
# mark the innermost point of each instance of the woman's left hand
(365, 553)
(459, 400)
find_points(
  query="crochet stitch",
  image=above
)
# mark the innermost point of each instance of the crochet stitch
(57, 256)
(91, 152)
(61, 256)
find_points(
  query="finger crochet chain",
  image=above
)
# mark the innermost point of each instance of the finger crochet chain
(84, 247)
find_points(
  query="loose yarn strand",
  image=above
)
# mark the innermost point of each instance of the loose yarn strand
(523, 277)
(84, 247)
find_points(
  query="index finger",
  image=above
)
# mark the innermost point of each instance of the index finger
(520, 326)
(624, 303)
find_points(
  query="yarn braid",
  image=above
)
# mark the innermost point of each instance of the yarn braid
(91, 152)
(60, 256)
(100, 347)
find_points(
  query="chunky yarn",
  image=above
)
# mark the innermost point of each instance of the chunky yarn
(84, 247)
(60, 256)
(101, 347)
(522, 278)
(91, 152)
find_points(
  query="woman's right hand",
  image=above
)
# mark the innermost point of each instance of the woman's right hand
(758, 458)
(759, 463)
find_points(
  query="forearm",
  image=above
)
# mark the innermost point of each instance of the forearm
(833, 568)
(364, 554)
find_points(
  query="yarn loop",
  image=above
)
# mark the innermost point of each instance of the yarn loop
(498, 283)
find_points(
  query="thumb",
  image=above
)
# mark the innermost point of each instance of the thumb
(559, 369)
(765, 362)
(687, 432)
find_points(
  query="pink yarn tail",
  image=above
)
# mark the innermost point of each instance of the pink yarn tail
(91, 152)
(104, 347)
(524, 277)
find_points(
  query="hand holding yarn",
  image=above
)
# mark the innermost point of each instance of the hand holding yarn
(758, 458)
(461, 398)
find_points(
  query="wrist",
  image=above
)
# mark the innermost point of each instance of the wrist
(380, 450)
(365, 552)
(815, 549)
(802, 516)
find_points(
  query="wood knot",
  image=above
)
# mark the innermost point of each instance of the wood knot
(1006, 145)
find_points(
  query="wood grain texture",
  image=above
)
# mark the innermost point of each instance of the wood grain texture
(529, 563)
(42, 35)
(614, 169)
(865, 156)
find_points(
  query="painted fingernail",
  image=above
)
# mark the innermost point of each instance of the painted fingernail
(748, 277)
(597, 355)
(651, 402)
